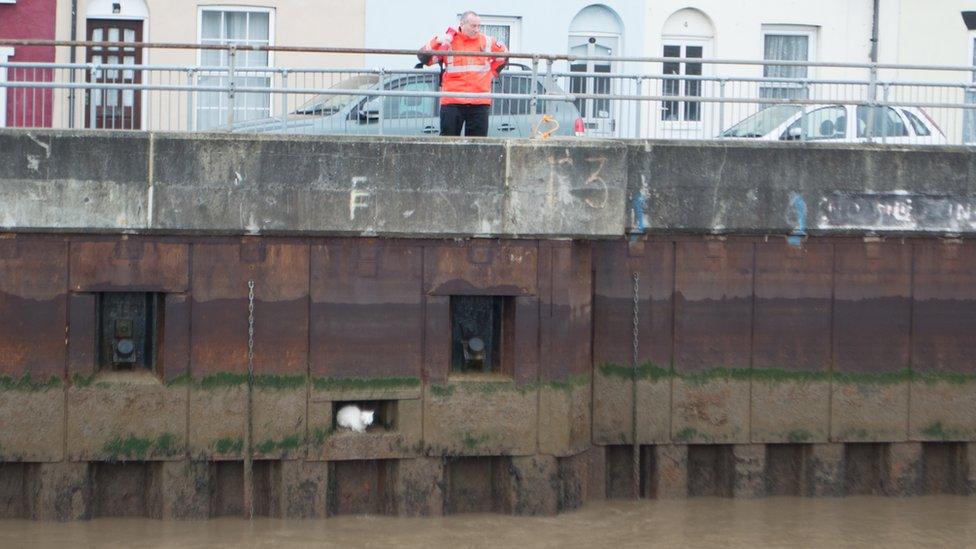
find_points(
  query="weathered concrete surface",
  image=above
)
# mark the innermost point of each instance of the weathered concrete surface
(134, 181)
(249, 185)
(99, 182)
(815, 188)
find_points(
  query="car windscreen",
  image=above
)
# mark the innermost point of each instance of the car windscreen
(329, 104)
(762, 122)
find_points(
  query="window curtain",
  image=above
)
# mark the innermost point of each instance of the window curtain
(785, 47)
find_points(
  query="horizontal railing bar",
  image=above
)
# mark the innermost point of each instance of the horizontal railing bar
(515, 55)
(556, 97)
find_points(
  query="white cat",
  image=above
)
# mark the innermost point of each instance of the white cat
(351, 417)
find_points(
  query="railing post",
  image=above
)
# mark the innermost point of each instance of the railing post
(872, 101)
(637, 111)
(191, 79)
(284, 100)
(382, 102)
(884, 117)
(231, 60)
(92, 76)
(549, 78)
(721, 106)
(803, 115)
(533, 88)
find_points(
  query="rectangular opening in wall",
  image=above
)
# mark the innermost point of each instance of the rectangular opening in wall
(121, 489)
(482, 334)
(943, 468)
(383, 414)
(227, 489)
(710, 469)
(785, 469)
(864, 466)
(620, 471)
(361, 487)
(129, 331)
(476, 485)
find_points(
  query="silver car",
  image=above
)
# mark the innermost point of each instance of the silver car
(839, 123)
(365, 114)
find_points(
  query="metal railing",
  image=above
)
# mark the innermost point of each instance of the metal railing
(621, 97)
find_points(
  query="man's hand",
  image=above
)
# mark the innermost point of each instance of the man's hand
(444, 38)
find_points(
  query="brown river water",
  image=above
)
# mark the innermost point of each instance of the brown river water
(930, 521)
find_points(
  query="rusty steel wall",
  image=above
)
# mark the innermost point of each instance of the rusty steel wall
(740, 339)
(843, 339)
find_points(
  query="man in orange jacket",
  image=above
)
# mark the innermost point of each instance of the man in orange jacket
(467, 74)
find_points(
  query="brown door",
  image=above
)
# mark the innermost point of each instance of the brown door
(114, 108)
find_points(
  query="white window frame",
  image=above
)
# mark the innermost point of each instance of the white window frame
(5, 55)
(683, 42)
(226, 8)
(810, 31)
(513, 23)
(8, 1)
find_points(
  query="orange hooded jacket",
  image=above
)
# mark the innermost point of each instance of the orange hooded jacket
(466, 74)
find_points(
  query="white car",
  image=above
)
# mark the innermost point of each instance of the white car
(839, 123)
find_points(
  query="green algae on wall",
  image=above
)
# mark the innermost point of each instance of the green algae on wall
(28, 385)
(229, 445)
(938, 431)
(288, 443)
(133, 447)
(362, 384)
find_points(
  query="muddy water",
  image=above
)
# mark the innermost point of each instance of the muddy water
(932, 521)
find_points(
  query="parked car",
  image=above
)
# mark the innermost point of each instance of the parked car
(362, 114)
(839, 123)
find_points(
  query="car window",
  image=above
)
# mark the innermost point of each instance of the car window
(410, 107)
(822, 123)
(886, 122)
(762, 122)
(920, 127)
(507, 83)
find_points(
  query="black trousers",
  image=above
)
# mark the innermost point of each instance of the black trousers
(474, 119)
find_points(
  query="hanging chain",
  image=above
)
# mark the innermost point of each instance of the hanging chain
(250, 331)
(636, 449)
(636, 301)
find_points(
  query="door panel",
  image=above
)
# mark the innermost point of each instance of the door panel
(114, 108)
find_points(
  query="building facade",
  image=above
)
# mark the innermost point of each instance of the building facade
(245, 22)
(26, 19)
